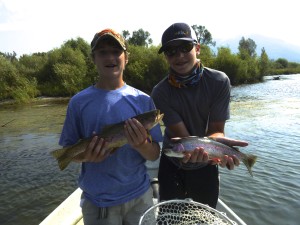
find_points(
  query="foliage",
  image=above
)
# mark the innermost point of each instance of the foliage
(139, 38)
(281, 63)
(145, 68)
(207, 56)
(247, 48)
(9, 56)
(81, 45)
(31, 65)
(66, 70)
(264, 63)
(14, 86)
(230, 64)
(203, 35)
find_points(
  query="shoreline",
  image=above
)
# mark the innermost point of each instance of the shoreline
(34, 100)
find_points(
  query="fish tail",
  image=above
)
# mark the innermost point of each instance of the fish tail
(61, 156)
(249, 161)
(59, 152)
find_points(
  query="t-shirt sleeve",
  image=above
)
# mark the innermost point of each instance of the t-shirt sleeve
(70, 132)
(161, 98)
(220, 109)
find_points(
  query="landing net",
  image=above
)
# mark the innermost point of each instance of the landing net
(183, 212)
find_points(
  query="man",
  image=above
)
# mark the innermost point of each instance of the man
(195, 102)
(116, 186)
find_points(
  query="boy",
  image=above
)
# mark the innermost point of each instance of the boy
(116, 187)
(195, 102)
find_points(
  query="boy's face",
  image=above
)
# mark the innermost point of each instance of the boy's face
(110, 59)
(182, 56)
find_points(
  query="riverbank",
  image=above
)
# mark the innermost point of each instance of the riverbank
(35, 100)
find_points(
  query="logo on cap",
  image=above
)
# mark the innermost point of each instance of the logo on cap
(177, 31)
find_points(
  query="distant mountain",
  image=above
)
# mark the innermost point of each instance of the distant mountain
(275, 48)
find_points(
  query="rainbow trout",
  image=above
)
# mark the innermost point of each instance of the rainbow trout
(113, 134)
(215, 150)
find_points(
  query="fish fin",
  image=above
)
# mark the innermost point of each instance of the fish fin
(235, 148)
(61, 157)
(170, 153)
(249, 161)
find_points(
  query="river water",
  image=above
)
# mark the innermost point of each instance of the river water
(267, 115)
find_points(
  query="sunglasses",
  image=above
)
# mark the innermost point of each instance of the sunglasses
(183, 48)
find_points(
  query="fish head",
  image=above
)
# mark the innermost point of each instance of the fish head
(150, 119)
(175, 149)
(178, 147)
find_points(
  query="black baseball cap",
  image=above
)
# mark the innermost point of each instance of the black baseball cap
(177, 31)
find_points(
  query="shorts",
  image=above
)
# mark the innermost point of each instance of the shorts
(128, 213)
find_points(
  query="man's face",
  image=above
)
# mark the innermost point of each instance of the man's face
(182, 56)
(109, 58)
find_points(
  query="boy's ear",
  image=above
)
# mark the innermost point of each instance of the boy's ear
(197, 49)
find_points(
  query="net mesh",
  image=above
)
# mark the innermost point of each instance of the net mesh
(183, 212)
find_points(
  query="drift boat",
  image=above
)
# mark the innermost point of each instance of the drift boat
(69, 211)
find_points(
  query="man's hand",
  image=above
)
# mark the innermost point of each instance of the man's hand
(197, 155)
(137, 137)
(96, 151)
(135, 133)
(228, 161)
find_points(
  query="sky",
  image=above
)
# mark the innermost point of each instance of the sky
(30, 26)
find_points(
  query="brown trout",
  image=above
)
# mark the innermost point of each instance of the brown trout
(215, 150)
(113, 134)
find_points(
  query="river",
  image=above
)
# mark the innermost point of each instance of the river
(267, 115)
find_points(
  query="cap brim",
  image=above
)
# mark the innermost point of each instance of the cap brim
(169, 42)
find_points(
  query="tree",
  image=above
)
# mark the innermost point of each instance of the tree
(139, 38)
(264, 63)
(281, 63)
(126, 34)
(30, 66)
(13, 85)
(81, 45)
(230, 64)
(64, 73)
(203, 35)
(145, 68)
(247, 48)
(10, 56)
(207, 56)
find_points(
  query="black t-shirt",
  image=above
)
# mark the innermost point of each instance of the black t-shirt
(195, 106)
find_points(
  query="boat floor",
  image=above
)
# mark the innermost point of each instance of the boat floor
(69, 212)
